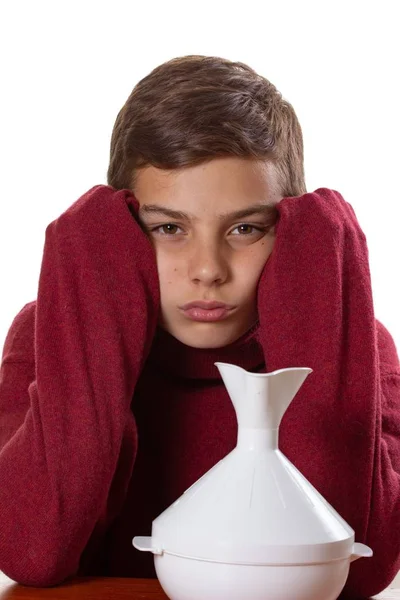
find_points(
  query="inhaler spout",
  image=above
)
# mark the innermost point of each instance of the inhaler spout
(261, 399)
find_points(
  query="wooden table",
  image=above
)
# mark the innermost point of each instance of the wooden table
(106, 588)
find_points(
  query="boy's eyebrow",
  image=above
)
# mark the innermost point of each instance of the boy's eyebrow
(255, 209)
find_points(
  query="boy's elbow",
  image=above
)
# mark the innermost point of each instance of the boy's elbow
(40, 571)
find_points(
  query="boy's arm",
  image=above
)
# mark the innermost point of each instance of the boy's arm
(342, 430)
(65, 410)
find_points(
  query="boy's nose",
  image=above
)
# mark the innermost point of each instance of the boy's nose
(208, 265)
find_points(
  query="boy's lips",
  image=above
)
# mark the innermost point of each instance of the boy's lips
(206, 311)
(205, 305)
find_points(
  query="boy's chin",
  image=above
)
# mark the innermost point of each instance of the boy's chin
(208, 336)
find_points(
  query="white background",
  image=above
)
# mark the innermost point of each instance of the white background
(68, 67)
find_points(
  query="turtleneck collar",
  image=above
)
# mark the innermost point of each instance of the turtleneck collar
(177, 359)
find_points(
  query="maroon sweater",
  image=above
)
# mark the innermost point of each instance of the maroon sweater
(106, 419)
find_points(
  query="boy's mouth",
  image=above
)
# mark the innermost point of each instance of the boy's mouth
(206, 305)
(197, 313)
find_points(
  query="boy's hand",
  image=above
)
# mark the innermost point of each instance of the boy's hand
(313, 229)
(325, 208)
(100, 265)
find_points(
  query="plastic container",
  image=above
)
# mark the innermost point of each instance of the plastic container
(253, 527)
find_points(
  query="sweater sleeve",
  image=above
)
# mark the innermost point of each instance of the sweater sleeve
(66, 383)
(342, 430)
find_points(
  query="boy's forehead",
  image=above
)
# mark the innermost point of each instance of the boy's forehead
(229, 180)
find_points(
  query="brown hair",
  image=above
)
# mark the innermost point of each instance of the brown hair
(192, 109)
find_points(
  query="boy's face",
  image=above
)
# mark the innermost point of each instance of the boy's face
(206, 256)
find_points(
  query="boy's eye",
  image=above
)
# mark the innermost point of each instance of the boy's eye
(168, 229)
(245, 226)
(166, 225)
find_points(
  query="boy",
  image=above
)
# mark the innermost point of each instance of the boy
(110, 402)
